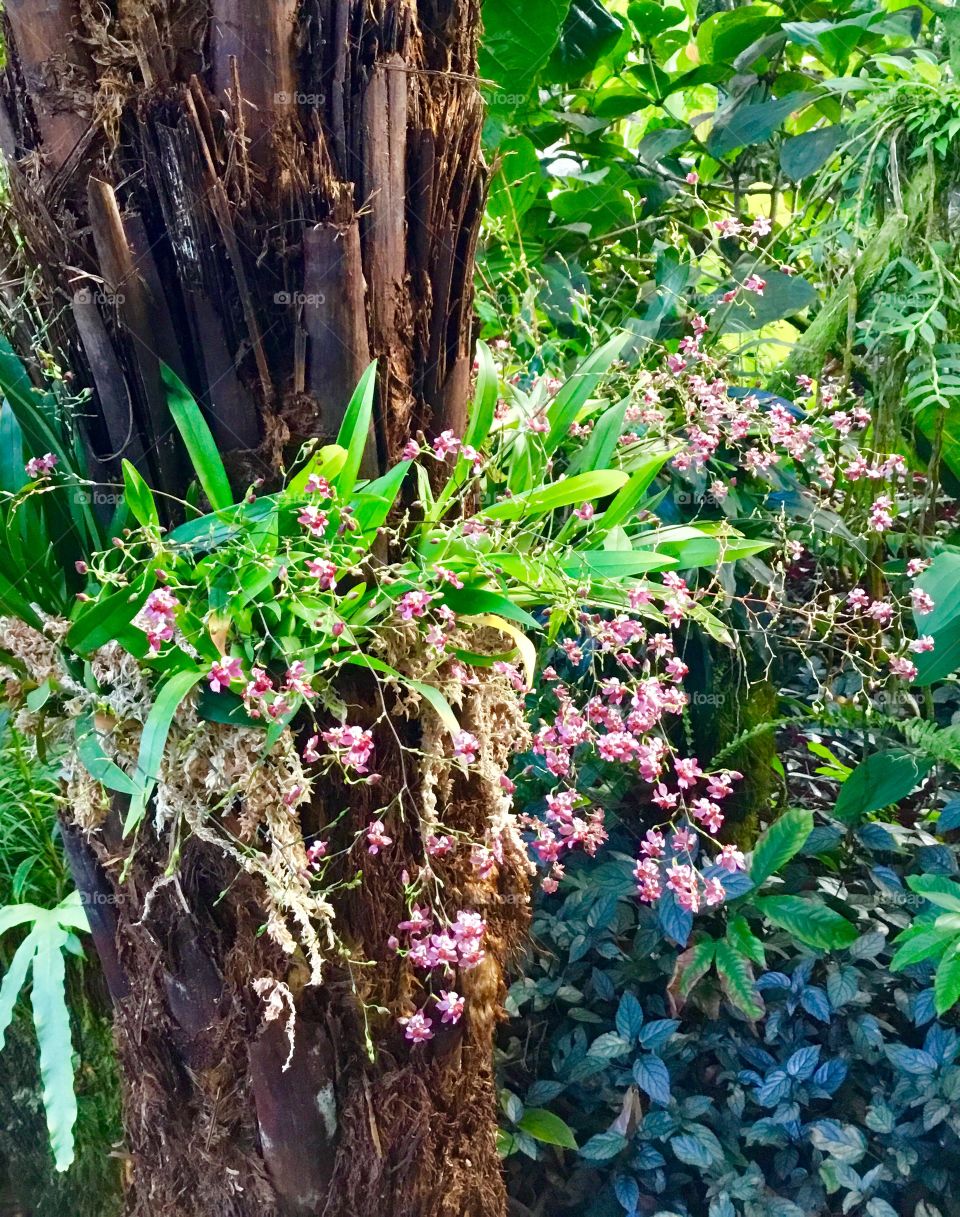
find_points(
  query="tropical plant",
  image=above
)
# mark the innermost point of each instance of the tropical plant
(39, 961)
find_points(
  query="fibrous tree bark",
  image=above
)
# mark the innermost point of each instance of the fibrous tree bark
(263, 195)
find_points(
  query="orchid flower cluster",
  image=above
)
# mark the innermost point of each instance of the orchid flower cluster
(260, 609)
(628, 684)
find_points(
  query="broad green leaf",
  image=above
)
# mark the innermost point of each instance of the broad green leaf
(782, 841)
(942, 892)
(102, 621)
(782, 296)
(941, 581)
(477, 602)
(724, 35)
(805, 154)
(743, 939)
(920, 946)
(946, 983)
(515, 185)
(879, 781)
(518, 41)
(808, 920)
(589, 32)
(748, 123)
(198, 440)
(544, 1126)
(581, 488)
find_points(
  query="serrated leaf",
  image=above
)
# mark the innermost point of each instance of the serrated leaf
(653, 1077)
(629, 1017)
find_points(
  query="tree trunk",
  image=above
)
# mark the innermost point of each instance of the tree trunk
(264, 195)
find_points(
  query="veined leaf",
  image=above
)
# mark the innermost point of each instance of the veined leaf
(698, 961)
(782, 841)
(938, 889)
(809, 920)
(736, 977)
(920, 946)
(477, 602)
(946, 982)
(882, 779)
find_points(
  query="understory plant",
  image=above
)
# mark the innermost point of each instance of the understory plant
(788, 1060)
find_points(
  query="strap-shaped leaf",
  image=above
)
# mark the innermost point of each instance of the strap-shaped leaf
(198, 440)
(13, 981)
(51, 1019)
(154, 739)
(355, 433)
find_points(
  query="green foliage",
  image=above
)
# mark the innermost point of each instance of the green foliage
(812, 1082)
(39, 959)
(882, 779)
